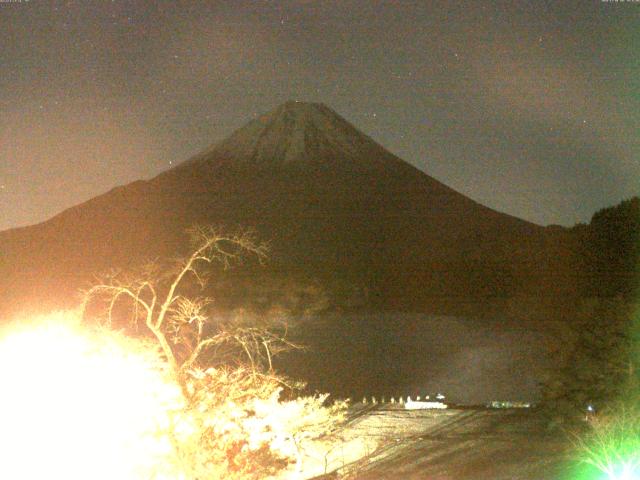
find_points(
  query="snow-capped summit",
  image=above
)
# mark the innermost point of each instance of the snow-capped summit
(296, 134)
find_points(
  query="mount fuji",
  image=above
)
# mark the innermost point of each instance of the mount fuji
(338, 209)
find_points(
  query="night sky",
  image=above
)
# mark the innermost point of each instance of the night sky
(531, 108)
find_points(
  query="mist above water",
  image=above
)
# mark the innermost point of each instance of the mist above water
(472, 361)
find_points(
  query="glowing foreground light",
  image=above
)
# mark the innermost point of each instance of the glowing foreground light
(611, 450)
(76, 404)
(623, 471)
(614, 472)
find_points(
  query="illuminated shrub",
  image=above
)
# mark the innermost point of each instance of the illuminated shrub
(241, 429)
(612, 443)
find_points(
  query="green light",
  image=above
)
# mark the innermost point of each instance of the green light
(622, 471)
(611, 448)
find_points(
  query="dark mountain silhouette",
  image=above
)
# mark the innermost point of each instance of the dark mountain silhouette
(338, 209)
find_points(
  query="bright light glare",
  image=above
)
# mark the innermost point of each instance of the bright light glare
(75, 404)
(626, 472)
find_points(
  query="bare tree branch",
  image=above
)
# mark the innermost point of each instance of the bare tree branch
(182, 325)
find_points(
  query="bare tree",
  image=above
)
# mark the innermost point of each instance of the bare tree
(181, 323)
(240, 428)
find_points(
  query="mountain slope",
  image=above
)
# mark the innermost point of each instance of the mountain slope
(337, 208)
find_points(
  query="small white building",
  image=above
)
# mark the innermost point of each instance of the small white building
(413, 405)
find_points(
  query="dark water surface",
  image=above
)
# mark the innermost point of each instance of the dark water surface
(472, 361)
